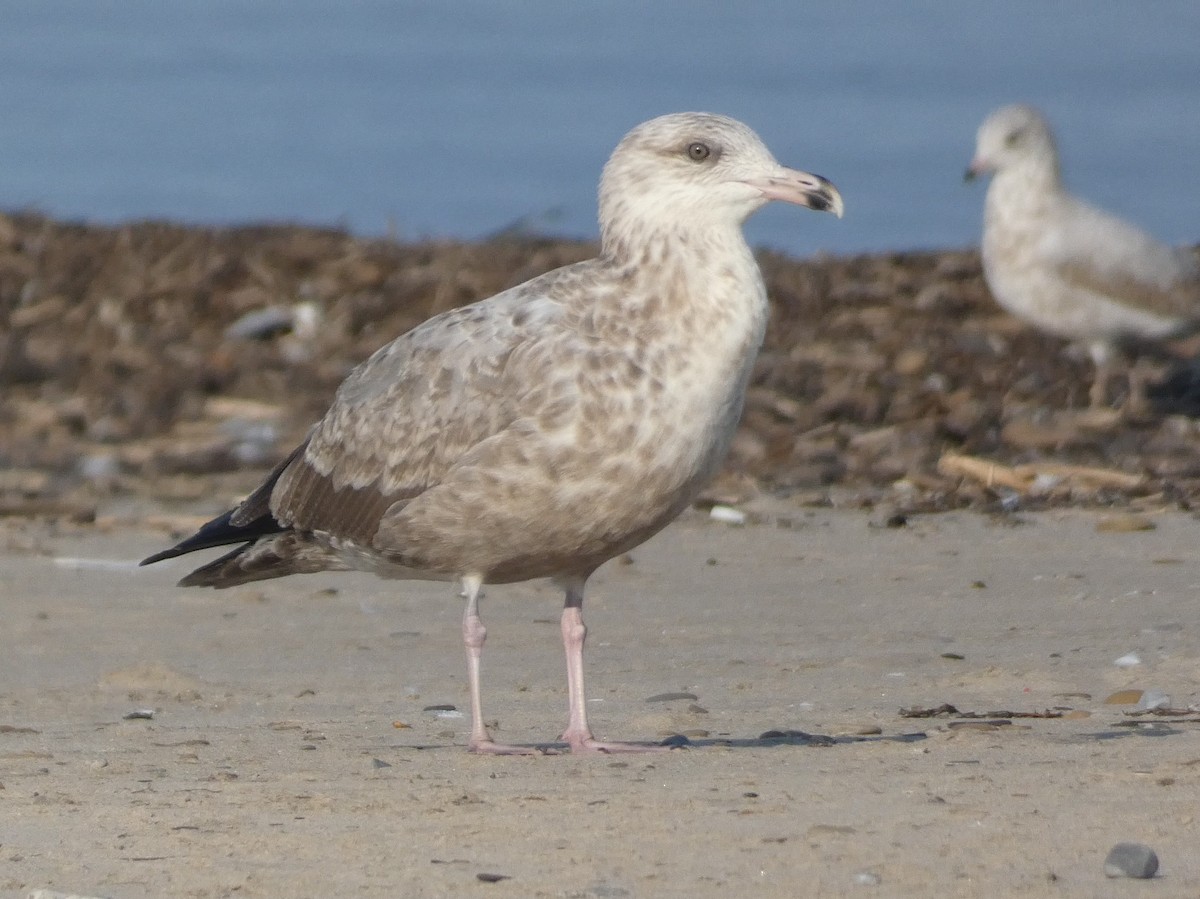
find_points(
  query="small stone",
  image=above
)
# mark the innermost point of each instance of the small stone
(867, 879)
(670, 697)
(1129, 660)
(380, 763)
(910, 361)
(139, 714)
(98, 467)
(727, 514)
(1124, 697)
(262, 324)
(488, 877)
(1131, 860)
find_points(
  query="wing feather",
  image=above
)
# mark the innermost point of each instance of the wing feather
(404, 417)
(1094, 251)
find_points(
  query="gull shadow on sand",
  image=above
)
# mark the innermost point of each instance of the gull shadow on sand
(768, 739)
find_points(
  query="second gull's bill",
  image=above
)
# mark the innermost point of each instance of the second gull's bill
(543, 431)
(1067, 267)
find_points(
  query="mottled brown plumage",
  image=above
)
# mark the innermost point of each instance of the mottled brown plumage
(548, 429)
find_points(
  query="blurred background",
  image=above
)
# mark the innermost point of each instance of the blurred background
(467, 118)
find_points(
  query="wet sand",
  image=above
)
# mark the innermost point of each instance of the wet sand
(290, 753)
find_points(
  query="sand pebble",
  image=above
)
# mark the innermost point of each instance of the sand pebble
(1128, 660)
(671, 697)
(137, 714)
(1131, 860)
(867, 879)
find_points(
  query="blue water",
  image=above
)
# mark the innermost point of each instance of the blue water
(460, 118)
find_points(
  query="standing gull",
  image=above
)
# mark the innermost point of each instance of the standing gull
(1067, 267)
(543, 431)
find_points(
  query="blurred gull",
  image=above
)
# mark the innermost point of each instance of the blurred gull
(1066, 267)
(552, 427)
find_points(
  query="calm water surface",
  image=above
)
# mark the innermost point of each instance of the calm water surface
(459, 119)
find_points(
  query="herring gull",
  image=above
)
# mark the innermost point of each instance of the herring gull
(560, 423)
(1069, 268)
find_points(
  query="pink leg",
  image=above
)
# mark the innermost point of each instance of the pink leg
(578, 735)
(474, 635)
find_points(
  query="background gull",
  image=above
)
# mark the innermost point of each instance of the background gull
(1065, 266)
(549, 428)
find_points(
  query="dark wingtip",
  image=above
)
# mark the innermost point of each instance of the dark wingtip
(218, 532)
(158, 557)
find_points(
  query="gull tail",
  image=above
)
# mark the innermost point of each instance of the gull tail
(269, 549)
(276, 555)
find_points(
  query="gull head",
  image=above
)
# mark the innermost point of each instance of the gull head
(696, 170)
(1014, 138)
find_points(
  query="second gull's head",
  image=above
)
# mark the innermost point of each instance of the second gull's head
(697, 170)
(1015, 138)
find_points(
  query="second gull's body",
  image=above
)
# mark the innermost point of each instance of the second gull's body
(1065, 266)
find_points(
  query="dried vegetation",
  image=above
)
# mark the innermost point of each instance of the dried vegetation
(152, 357)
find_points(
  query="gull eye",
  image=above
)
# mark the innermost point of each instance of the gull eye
(697, 151)
(1013, 137)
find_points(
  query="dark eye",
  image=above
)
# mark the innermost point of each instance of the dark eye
(697, 151)
(1013, 138)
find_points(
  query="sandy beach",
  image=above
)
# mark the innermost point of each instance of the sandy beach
(287, 749)
(303, 737)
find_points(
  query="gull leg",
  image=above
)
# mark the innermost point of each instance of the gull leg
(474, 635)
(1137, 404)
(1102, 361)
(578, 735)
